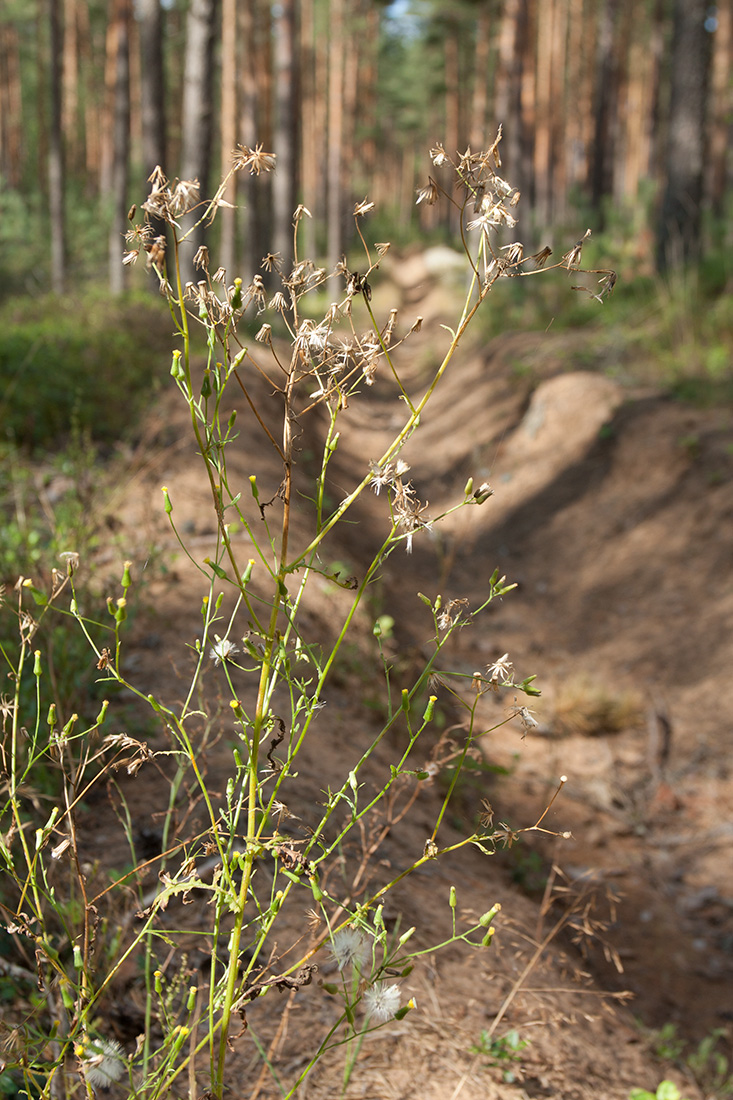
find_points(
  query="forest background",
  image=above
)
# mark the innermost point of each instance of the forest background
(615, 113)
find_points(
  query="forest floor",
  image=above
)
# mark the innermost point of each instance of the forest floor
(613, 512)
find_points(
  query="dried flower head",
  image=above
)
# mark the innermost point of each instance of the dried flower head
(101, 1061)
(201, 259)
(257, 160)
(427, 194)
(184, 197)
(500, 671)
(222, 650)
(350, 947)
(362, 208)
(382, 1002)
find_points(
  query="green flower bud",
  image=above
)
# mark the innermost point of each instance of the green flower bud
(486, 918)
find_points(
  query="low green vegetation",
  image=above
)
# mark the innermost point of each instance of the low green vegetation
(78, 366)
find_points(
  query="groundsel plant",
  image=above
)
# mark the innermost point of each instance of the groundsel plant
(225, 980)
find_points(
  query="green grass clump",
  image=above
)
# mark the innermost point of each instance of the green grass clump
(81, 364)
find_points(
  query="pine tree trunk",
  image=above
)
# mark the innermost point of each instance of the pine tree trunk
(334, 225)
(229, 123)
(680, 218)
(120, 146)
(284, 184)
(477, 129)
(11, 117)
(152, 96)
(56, 175)
(309, 160)
(70, 101)
(721, 102)
(197, 120)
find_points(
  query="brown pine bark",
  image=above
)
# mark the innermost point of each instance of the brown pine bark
(477, 134)
(310, 162)
(527, 48)
(120, 144)
(197, 120)
(452, 89)
(679, 229)
(578, 97)
(70, 93)
(603, 150)
(334, 226)
(508, 95)
(285, 180)
(152, 85)
(11, 117)
(544, 111)
(56, 173)
(229, 129)
(106, 137)
(91, 102)
(558, 111)
(248, 136)
(152, 99)
(721, 102)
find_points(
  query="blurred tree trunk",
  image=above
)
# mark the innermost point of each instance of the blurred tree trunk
(680, 218)
(152, 85)
(248, 136)
(578, 109)
(334, 225)
(56, 176)
(73, 134)
(311, 125)
(545, 110)
(604, 104)
(120, 144)
(256, 127)
(11, 112)
(527, 49)
(152, 97)
(477, 127)
(721, 102)
(367, 94)
(508, 91)
(452, 88)
(285, 137)
(90, 105)
(197, 119)
(229, 129)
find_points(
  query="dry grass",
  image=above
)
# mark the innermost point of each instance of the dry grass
(587, 708)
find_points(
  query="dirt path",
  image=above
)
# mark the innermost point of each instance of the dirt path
(612, 511)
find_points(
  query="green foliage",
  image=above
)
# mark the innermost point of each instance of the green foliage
(498, 1051)
(77, 365)
(666, 1090)
(708, 1065)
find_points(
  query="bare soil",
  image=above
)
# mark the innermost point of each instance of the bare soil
(612, 512)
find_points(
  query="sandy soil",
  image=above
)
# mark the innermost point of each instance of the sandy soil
(612, 512)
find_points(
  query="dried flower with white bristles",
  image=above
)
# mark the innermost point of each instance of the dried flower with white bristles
(101, 1061)
(349, 947)
(382, 1002)
(222, 650)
